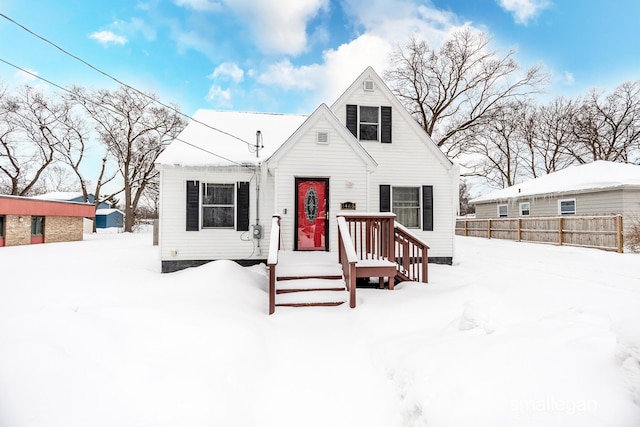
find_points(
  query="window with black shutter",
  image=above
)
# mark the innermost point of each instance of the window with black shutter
(369, 123)
(193, 206)
(385, 125)
(242, 215)
(427, 207)
(352, 119)
(385, 198)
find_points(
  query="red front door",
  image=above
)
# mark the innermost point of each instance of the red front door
(311, 214)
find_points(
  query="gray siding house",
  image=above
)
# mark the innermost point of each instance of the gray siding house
(598, 188)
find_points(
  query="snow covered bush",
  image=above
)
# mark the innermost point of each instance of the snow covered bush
(632, 237)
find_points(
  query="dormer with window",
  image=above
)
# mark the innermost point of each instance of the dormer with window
(369, 123)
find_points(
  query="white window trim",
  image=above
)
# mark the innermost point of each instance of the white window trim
(575, 207)
(379, 124)
(498, 210)
(419, 226)
(202, 205)
(529, 210)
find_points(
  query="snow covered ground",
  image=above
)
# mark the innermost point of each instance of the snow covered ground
(515, 334)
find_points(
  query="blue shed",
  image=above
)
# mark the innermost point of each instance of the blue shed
(109, 218)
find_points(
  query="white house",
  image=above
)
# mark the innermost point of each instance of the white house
(365, 153)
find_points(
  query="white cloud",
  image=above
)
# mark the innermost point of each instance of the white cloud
(568, 78)
(524, 10)
(219, 96)
(278, 27)
(228, 69)
(384, 25)
(135, 26)
(108, 37)
(25, 77)
(200, 5)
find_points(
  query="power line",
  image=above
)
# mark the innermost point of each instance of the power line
(111, 110)
(44, 39)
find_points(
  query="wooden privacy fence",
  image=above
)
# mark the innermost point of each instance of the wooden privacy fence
(601, 232)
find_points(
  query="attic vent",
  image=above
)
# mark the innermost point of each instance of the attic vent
(322, 137)
(368, 85)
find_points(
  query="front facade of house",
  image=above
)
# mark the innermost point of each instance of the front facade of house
(363, 154)
(599, 188)
(25, 221)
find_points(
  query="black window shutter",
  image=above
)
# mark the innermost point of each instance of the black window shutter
(193, 205)
(352, 119)
(427, 207)
(385, 122)
(242, 211)
(385, 198)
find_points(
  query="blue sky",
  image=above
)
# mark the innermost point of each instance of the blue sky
(288, 56)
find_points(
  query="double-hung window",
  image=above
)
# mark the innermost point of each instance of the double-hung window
(369, 119)
(567, 207)
(525, 209)
(405, 203)
(218, 205)
(503, 211)
(370, 123)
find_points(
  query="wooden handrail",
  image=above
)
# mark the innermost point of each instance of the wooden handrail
(412, 255)
(378, 236)
(348, 258)
(272, 260)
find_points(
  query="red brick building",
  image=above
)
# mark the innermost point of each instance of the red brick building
(25, 220)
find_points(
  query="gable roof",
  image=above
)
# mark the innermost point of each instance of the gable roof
(370, 74)
(200, 145)
(324, 112)
(598, 175)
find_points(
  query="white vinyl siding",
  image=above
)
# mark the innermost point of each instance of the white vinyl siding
(208, 243)
(409, 162)
(347, 173)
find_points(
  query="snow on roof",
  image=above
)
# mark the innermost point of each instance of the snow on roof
(199, 145)
(59, 195)
(107, 211)
(591, 176)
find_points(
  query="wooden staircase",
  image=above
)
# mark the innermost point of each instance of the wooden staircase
(306, 279)
(369, 245)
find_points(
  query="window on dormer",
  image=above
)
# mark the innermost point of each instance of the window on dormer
(369, 123)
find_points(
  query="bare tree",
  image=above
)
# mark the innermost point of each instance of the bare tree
(608, 127)
(133, 129)
(464, 196)
(498, 148)
(555, 141)
(460, 87)
(28, 136)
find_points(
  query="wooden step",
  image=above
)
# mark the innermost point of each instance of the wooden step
(312, 298)
(312, 284)
(313, 264)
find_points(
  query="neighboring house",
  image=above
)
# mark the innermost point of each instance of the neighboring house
(598, 188)
(365, 153)
(71, 196)
(105, 215)
(26, 220)
(109, 218)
